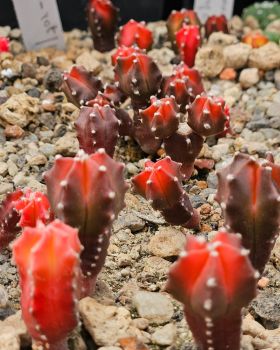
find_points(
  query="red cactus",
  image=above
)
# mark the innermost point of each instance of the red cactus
(87, 192)
(48, 261)
(275, 169)
(208, 116)
(255, 39)
(124, 51)
(135, 33)
(216, 24)
(206, 281)
(114, 94)
(103, 20)
(249, 197)
(80, 85)
(188, 41)
(4, 44)
(161, 183)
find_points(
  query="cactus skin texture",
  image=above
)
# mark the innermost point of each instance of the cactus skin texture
(216, 24)
(80, 85)
(275, 172)
(250, 200)
(4, 44)
(188, 41)
(135, 33)
(139, 78)
(264, 12)
(123, 51)
(48, 262)
(255, 40)
(213, 281)
(207, 116)
(103, 21)
(87, 192)
(161, 184)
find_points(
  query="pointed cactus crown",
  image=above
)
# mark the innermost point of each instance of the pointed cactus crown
(124, 51)
(135, 33)
(48, 262)
(188, 41)
(216, 24)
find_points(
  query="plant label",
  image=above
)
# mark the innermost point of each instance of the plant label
(206, 8)
(40, 23)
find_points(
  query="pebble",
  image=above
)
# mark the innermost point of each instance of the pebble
(236, 56)
(3, 297)
(131, 168)
(67, 145)
(39, 159)
(165, 336)
(88, 60)
(3, 169)
(249, 77)
(274, 110)
(221, 39)
(210, 61)
(53, 80)
(266, 57)
(5, 188)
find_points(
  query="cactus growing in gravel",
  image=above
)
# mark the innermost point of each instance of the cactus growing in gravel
(188, 41)
(103, 20)
(161, 184)
(255, 39)
(4, 44)
(80, 85)
(248, 193)
(264, 12)
(123, 51)
(216, 24)
(48, 262)
(135, 33)
(87, 192)
(213, 281)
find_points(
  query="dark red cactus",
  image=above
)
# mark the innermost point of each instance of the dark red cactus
(87, 192)
(183, 147)
(114, 94)
(9, 219)
(207, 116)
(135, 33)
(188, 41)
(124, 51)
(103, 20)
(80, 85)
(161, 184)
(275, 169)
(138, 77)
(214, 281)
(249, 197)
(4, 44)
(97, 127)
(49, 267)
(216, 24)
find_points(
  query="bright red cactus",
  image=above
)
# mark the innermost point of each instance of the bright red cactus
(48, 261)
(188, 41)
(87, 192)
(208, 115)
(80, 85)
(138, 77)
(161, 184)
(135, 33)
(4, 44)
(214, 281)
(103, 20)
(124, 51)
(216, 24)
(249, 196)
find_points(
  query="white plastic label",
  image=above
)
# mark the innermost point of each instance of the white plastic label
(40, 23)
(206, 8)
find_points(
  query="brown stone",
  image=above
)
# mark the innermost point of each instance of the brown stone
(228, 74)
(14, 131)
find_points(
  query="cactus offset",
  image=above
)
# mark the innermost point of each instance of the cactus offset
(80, 85)
(255, 39)
(103, 20)
(135, 33)
(206, 281)
(216, 24)
(87, 192)
(4, 44)
(188, 41)
(249, 197)
(161, 184)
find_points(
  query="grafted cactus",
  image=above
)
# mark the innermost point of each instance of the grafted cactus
(49, 267)
(161, 184)
(249, 196)
(188, 41)
(216, 24)
(213, 281)
(135, 33)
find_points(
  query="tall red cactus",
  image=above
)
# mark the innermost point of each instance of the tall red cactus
(48, 261)
(216, 24)
(188, 41)
(214, 281)
(135, 33)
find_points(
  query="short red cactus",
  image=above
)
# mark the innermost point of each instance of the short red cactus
(213, 281)
(103, 20)
(4, 44)
(135, 33)
(124, 51)
(255, 39)
(87, 192)
(161, 184)
(216, 24)
(208, 115)
(249, 196)
(188, 41)
(48, 262)
(80, 85)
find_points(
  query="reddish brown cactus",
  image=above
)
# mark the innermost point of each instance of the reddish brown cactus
(207, 116)
(255, 39)
(275, 169)
(80, 85)
(4, 44)
(135, 33)
(214, 281)
(114, 94)
(48, 262)
(161, 184)
(87, 192)
(103, 20)
(123, 51)
(188, 41)
(249, 197)
(216, 24)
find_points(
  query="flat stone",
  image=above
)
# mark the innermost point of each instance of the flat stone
(165, 335)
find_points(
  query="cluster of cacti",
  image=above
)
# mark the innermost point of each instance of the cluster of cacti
(216, 24)
(264, 12)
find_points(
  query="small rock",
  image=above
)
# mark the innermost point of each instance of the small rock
(274, 110)
(67, 145)
(165, 335)
(3, 297)
(210, 61)
(9, 341)
(249, 77)
(266, 57)
(129, 220)
(110, 348)
(3, 169)
(39, 159)
(263, 282)
(131, 168)
(236, 56)
(277, 78)
(14, 131)
(228, 74)
(5, 187)
(221, 39)
(88, 60)
(28, 70)
(53, 80)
